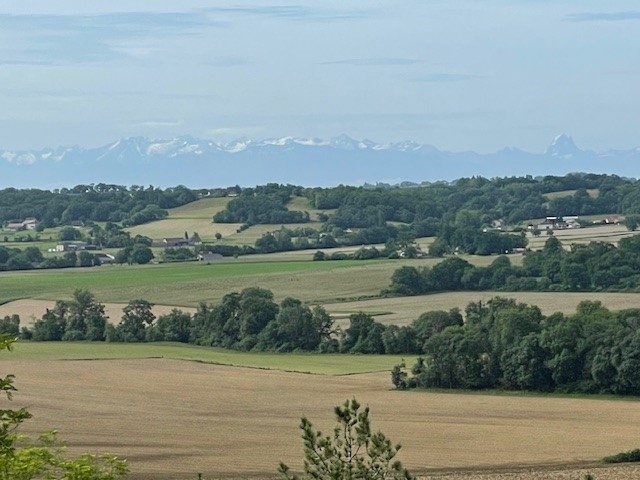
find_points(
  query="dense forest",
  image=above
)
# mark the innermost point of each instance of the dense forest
(497, 344)
(97, 203)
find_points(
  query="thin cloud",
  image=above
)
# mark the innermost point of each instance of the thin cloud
(295, 12)
(445, 78)
(72, 39)
(156, 124)
(366, 62)
(603, 16)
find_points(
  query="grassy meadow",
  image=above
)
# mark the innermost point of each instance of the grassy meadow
(188, 284)
(319, 364)
(198, 217)
(193, 217)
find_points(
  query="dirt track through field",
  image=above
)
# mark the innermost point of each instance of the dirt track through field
(173, 419)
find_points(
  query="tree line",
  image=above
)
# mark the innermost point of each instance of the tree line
(96, 202)
(513, 346)
(595, 266)
(496, 344)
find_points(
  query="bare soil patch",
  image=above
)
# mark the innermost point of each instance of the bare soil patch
(173, 419)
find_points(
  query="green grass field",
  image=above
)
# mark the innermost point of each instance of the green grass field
(188, 284)
(324, 364)
(193, 217)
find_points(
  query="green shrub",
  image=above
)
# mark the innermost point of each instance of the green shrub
(623, 457)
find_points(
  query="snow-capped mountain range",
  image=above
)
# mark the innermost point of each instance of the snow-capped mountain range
(198, 163)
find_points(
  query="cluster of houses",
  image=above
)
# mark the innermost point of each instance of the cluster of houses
(560, 223)
(556, 223)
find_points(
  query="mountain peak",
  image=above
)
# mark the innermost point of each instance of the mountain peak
(563, 146)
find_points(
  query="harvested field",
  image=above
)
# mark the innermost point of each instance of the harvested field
(173, 419)
(403, 310)
(602, 233)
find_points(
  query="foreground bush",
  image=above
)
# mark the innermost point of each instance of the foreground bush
(353, 452)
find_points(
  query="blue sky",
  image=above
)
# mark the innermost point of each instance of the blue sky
(460, 75)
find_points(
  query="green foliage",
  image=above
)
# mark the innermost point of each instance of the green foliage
(262, 205)
(596, 266)
(623, 457)
(133, 324)
(353, 452)
(23, 459)
(82, 318)
(509, 345)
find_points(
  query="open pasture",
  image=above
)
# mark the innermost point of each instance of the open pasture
(193, 217)
(173, 419)
(198, 217)
(313, 363)
(301, 204)
(253, 233)
(188, 284)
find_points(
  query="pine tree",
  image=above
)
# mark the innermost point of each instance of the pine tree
(353, 452)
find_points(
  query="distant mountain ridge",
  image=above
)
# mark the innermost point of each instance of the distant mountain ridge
(198, 163)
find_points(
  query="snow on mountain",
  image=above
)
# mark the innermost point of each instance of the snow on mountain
(303, 161)
(563, 147)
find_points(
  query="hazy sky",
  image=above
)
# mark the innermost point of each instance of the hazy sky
(475, 74)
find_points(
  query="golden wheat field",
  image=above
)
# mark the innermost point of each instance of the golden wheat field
(174, 419)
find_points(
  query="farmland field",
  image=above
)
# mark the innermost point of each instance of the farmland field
(600, 233)
(193, 217)
(173, 419)
(197, 217)
(403, 310)
(174, 411)
(188, 284)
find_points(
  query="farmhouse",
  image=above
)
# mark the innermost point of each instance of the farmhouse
(171, 242)
(105, 258)
(552, 223)
(71, 246)
(613, 220)
(208, 257)
(28, 223)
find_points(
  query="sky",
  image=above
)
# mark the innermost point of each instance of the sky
(457, 74)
